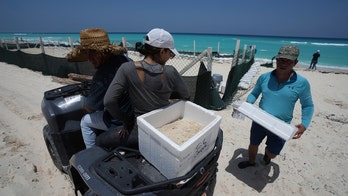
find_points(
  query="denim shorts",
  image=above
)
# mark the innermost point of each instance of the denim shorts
(274, 143)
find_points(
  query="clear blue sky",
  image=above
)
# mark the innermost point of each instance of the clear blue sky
(300, 18)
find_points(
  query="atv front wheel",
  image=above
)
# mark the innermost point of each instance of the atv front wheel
(52, 149)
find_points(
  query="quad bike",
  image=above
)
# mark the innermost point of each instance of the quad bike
(120, 171)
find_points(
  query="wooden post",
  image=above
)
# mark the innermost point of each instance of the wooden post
(244, 51)
(218, 48)
(17, 43)
(252, 51)
(194, 61)
(42, 45)
(236, 53)
(70, 43)
(124, 42)
(1, 44)
(194, 47)
(210, 58)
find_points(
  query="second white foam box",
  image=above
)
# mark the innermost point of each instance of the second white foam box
(171, 159)
(273, 124)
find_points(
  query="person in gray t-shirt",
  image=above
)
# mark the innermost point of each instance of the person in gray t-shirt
(150, 85)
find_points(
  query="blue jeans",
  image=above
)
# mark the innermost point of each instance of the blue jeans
(89, 124)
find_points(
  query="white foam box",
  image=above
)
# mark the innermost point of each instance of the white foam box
(171, 159)
(273, 124)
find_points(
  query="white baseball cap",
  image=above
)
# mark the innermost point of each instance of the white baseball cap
(160, 38)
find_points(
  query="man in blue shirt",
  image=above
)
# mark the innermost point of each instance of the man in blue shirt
(280, 91)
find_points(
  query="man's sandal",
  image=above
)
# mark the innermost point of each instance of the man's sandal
(245, 164)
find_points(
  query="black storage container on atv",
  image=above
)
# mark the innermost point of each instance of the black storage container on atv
(121, 171)
(63, 110)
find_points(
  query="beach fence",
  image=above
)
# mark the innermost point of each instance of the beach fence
(241, 63)
(12, 51)
(195, 70)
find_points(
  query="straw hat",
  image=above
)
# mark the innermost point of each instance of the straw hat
(94, 39)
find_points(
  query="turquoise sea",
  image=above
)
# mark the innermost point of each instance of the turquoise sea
(334, 52)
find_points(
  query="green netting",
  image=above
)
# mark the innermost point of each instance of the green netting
(206, 94)
(46, 64)
(202, 97)
(233, 79)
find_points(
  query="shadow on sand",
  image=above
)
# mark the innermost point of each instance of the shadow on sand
(256, 177)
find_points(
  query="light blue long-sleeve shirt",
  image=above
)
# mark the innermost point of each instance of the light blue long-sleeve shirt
(279, 99)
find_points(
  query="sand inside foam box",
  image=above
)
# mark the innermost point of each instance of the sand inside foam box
(175, 138)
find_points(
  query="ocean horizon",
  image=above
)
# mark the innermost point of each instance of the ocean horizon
(333, 51)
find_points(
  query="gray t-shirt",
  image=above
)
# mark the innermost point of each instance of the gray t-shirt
(152, 93)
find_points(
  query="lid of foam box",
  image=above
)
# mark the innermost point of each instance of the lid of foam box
(273, 124)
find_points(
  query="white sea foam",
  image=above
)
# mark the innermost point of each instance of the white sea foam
(296, 42)
(20, 34)
(329, 44)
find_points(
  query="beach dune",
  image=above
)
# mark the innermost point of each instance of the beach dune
(315, 164)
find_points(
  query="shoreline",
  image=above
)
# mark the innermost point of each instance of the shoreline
(320, 68)
(324, 69)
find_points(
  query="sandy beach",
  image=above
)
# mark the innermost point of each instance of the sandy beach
(315, 164)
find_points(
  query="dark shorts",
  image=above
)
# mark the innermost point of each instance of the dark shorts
(274, 144)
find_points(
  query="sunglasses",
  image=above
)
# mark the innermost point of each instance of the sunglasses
(172, 55)
(285, 61)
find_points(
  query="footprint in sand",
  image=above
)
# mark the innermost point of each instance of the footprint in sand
(340, 104)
